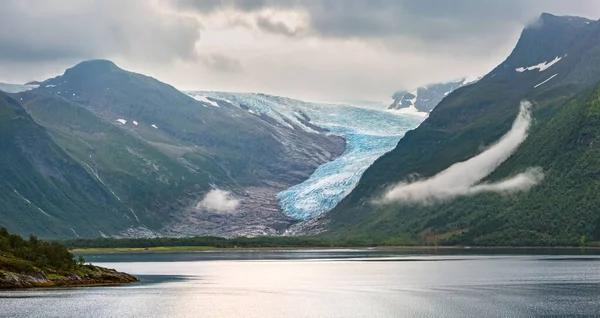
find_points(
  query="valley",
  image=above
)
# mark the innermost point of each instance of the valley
(105, 152)
(282, 161)
(323, 158)
(368, 132)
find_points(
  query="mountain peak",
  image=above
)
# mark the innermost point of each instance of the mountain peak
(93, 67)
(547, 19)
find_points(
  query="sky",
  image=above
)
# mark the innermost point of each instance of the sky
(325, 50)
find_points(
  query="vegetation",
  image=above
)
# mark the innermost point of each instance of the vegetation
(43, 190)
(37, 263)
(207, 242)
(564, 209)
(77, 172)
(23, 255)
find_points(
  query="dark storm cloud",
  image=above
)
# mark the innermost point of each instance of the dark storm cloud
(434, 20)
(38, 31)
(34, 30)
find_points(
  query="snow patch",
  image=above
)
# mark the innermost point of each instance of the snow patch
(134, 215)
(205, 100)
(540, 84)
(122, 121)
(410, 110)
(469, 80)
(74, 232)
(31, 203)
(542, 66)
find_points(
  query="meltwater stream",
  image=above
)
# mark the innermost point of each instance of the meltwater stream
(369, 134)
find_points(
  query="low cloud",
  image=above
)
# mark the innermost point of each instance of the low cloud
(461, 178)
(218, 201)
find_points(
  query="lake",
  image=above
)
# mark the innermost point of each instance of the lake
(328, 283)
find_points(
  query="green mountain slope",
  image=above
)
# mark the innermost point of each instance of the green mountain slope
(158, 152)
(560, 210)
(44, 191)
(140, 175)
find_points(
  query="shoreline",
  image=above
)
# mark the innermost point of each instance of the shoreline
(196, 249)
(94, 277)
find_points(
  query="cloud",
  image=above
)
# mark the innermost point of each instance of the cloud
(222, 63)
(452, 23)
(42, 31)
(276, 27)
(521, 182)
(332, 50)
(218, 201)
(461, 178)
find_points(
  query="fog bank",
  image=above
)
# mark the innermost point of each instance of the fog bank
(461, 178)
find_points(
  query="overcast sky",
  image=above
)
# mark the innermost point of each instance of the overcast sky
(338, 50)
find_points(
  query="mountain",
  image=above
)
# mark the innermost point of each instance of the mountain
(554, 66)
(176, 165)
(369, 133)
(425, 98)
(15, 88)
(43, 190)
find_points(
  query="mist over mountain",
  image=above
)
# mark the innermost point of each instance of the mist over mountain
(553, 65)
(505, 159)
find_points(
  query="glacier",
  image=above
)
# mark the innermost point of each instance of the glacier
(369, 134)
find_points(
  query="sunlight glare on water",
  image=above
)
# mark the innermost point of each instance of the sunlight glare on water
(327, 284)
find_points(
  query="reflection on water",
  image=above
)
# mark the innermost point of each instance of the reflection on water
(336, 283)
(331, 254)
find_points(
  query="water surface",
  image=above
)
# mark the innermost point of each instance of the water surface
(337, 283)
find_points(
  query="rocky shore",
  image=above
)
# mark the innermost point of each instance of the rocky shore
(88, 275)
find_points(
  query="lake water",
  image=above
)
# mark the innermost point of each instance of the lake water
(337, 283)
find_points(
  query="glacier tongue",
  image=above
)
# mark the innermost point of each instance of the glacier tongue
(369, 134)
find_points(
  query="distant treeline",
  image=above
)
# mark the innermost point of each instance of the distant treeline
(219, 242)
(20, 254)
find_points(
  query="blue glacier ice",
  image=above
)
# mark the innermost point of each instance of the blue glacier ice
(369, 134)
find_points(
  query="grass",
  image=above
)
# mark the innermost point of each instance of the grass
(11, 263)
(56, 277)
